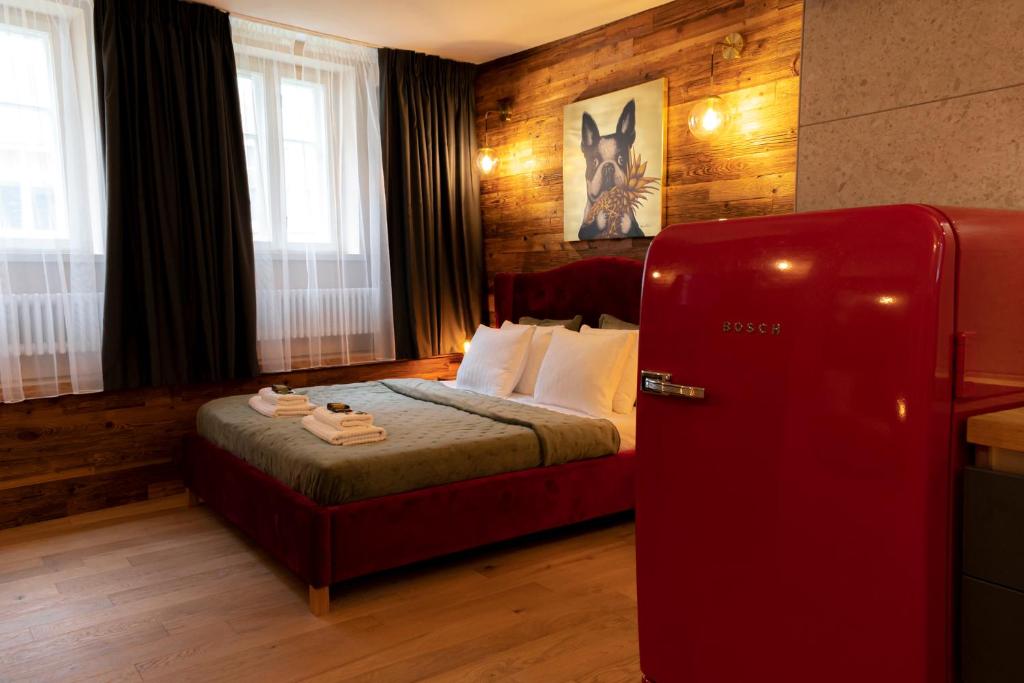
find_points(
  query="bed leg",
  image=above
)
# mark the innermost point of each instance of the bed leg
(320, 601)
(193, 499)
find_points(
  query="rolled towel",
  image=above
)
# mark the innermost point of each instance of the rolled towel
(260, 406)
(342, 420)
(268, 395)
(350, 436)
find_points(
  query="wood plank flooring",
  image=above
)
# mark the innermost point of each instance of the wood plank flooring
(177, 595)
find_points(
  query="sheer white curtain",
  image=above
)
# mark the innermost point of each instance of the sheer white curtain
(51, 201)
(310, 113)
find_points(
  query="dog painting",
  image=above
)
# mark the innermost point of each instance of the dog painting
(612, 164)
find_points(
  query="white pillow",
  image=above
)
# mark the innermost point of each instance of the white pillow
(538, 348)
(625, 394)
(582, 372)
(495, 360)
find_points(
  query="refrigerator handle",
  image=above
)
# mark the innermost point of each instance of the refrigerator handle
(658, 383)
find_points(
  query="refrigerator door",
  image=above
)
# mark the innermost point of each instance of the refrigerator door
(990, 302)
(793, 522)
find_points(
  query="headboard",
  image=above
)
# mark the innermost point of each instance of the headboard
(603, 284)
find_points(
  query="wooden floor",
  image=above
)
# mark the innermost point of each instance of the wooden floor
(175, 595)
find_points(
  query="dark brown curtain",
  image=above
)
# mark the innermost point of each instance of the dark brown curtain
(180, 291)
(428, 134)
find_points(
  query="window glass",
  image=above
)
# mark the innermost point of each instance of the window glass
(42, 208)
(251, 97)
(305, 167)
(31, 172)
(10, 207)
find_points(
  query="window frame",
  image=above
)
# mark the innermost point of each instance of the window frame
(326, 166)
(275, 210)
(30, 236)
(42, 246)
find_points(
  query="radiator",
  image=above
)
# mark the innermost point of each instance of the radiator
(37, 324)
(299, 313)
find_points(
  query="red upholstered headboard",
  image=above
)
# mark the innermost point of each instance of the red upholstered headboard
(603, 284)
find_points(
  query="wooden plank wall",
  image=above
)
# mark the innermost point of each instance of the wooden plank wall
(73, 454)
(749, 172)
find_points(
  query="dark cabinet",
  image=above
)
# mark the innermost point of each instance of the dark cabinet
(992, 588)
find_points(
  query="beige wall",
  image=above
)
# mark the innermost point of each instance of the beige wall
(911, 101)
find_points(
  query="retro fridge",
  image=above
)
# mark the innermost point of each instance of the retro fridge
(805, 380)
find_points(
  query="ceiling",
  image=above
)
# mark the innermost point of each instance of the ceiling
(468, 30)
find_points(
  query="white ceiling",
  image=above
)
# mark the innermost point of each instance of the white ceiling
(468, 30)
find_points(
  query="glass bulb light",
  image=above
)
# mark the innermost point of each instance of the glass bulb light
(709, 117)
(486, 160)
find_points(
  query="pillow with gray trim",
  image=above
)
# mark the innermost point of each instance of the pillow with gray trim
(573, 324)
(610, 322)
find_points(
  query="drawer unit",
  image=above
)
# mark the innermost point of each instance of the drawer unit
(993, 627)
(994, 527)
(992, 583)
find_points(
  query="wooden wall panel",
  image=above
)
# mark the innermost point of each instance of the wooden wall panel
(74, 454)
(750, 171)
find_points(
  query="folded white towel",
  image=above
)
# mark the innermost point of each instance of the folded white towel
(350, 436)
(264, 408)
(268, 395)
(342, 420)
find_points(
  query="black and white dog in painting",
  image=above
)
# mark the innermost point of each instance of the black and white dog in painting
(609, 212)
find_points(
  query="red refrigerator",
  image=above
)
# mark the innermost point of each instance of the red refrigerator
(805, 381)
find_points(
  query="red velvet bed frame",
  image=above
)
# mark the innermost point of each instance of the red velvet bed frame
(326, 544)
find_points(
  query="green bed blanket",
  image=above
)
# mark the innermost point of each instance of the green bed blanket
(436, 435)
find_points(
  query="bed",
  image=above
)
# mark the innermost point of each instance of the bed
(331, 533)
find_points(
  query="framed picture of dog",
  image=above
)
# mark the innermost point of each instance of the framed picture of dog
(613, 164)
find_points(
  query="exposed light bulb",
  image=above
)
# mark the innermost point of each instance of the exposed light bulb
(486, 160)
(708, 117)
(711, 121)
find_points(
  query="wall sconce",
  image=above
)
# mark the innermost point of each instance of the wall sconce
(486, 157)
(711, 115)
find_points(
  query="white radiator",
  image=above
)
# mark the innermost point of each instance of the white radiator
(298, 313)
(37, 324)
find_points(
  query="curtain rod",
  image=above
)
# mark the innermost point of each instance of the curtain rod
(292, 27)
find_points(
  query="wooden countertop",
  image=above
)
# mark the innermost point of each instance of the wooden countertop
(1004, 429)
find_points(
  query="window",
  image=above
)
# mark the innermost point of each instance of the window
(310, 119)
(51, 201)
(302, 167)
(31, 172)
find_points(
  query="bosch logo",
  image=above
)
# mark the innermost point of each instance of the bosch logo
(774, 329)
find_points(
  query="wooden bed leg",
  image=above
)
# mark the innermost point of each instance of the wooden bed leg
(193, 499)
(320, 601)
